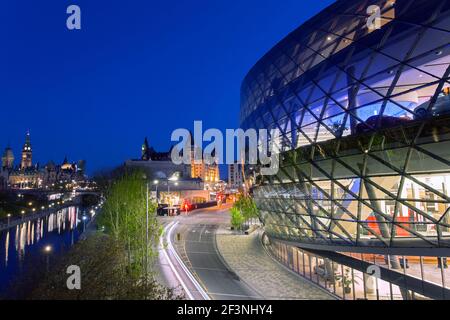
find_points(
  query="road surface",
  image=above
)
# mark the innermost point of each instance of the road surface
(207, 276)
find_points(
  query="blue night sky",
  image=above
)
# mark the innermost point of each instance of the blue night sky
(137, 68)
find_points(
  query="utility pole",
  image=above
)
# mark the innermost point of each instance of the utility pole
(146, 234)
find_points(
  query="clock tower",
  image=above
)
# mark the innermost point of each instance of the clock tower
(27, 153)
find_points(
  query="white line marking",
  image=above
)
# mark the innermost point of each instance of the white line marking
(183, 266)
(174, 270)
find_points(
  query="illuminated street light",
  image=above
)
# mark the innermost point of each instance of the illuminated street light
(156, 183)
(84, 218)
(48, 251)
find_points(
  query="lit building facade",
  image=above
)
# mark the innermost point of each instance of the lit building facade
(27, 153)
(8, 158)
(209, 173)
(363, 119)
(235, 176)
(29, 176)
(158, 165)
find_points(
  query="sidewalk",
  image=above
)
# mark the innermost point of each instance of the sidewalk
(247, 257)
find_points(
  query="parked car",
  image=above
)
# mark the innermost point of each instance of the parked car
(386, 121)
(161, 210)
(441, 107)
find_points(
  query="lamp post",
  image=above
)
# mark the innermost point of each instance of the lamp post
(146, 228)
(156, 182)
(84, 218)
(146, 233)
(175, 178)
(48, 251)
(9, 218)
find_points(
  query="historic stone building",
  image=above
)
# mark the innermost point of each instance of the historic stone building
(29, 176)
(8, 158)
(27, 153)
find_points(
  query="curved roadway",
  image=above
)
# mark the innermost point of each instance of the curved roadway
(194, 261)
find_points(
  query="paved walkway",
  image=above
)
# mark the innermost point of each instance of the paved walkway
(247, 257)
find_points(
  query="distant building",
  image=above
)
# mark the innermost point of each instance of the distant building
(235, 176)
(26, 178)
(4, 175)
(8, 159)
(29, 176)
(209, 173)
(158, 165)
(27, 153)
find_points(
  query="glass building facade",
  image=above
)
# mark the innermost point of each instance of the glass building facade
(362, 112)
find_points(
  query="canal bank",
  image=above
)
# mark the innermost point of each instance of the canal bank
(31, 246)
(8, 222)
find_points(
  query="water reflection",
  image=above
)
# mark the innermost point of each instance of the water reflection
(60, 229)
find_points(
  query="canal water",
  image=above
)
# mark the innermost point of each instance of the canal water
(23, 247)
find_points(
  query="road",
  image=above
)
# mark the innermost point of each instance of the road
(207, 276)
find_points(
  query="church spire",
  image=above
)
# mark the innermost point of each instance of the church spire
(8, 158)
(145, 150)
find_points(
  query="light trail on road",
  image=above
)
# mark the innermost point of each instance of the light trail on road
(170, 250)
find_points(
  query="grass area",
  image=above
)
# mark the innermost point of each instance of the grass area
(104, 275)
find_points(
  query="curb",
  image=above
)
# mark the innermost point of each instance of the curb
(231, 269)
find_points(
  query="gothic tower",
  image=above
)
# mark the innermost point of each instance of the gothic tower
(27, 153)
(8, 158)
(145, 155)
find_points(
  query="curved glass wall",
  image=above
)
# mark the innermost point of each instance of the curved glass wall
(364, 125)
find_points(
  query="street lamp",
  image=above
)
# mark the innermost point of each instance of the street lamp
(9, 217)
(146, 227)
(84, 218)
(48, 251)
(156, 182)
(174, 178)
(146, 234)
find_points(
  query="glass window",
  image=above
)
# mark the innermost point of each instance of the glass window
(358, 280)
(432, 270)
(322, 272)
(339, 280)
(384, 290)
(446, 270)
(307, 266)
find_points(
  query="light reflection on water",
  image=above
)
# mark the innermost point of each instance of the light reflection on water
(25, 242)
